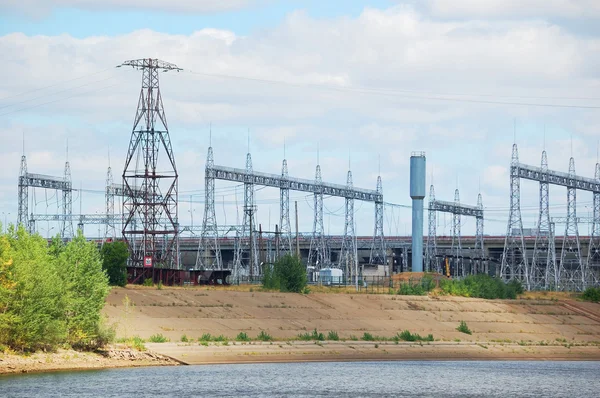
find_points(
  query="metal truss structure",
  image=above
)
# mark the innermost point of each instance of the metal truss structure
(151, 217)
(348, 260)
(61, 185)
(571, 271)
(464, 262)
(210, 257)
(319, 254)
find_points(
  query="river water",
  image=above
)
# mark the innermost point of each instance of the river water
(321, 379)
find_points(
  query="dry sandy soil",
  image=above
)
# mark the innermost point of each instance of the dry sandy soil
(502, 329)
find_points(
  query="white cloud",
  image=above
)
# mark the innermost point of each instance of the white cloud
(37, 8)
(465, 9)
(364, 86)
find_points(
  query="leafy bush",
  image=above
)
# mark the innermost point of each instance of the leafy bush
(264, 336)
(220, 338)
(148, 282)
(418, 288)
(408, 336)
(591, 294)
(242, 336)
(332, 335)
(464, 328)
(368, 337)
(184, 339)
(482, 286)
(205, 337)
(158, 338)
(287, 275)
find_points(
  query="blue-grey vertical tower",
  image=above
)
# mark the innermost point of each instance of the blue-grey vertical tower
(417, 194)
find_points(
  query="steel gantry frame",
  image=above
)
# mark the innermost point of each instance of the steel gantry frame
(571, 272)
(476, 257)
(152, 217)
(285, 183)
(63, 185)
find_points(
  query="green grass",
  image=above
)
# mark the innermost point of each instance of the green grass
(333, 335)
(205, 337)
(591, 294)
(368, 337)
(158, 338)
(481, 286)
(464, 328)
(184, 339)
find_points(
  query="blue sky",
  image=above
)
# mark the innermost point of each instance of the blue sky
(367, 80)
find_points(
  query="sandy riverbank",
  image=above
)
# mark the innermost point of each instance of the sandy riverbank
(62, 360)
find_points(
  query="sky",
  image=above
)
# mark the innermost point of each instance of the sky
(352, 84)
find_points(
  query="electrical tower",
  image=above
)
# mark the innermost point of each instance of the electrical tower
(23, 213)
(67, 202)
(317, 254)
(209, 252)
(459, 266)
(543, 268)
(285, 228)
(431, 262)
(110, 230)
(378, 253)
(249, 225)
(514, 256)
(481, 263)
(347, 261)
(593, 265)
(571, 265)
(151, 216)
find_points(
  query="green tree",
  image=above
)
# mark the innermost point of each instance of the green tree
(86, 288)
(287, 274)
(114, 262)
(34, 314)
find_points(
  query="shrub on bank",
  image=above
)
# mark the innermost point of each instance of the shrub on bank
(287, 275)
(481, 286)
(591, 294)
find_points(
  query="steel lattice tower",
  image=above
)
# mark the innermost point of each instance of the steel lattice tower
(480, 265)
(543, 270)
(155, 206)
(378, 252)
(551, 269)
(23, 215)
(249, 225)
(514, 256)
(593, 260)
(317, 255)
(571, 270)
(347, 260)
(209, 252)
(285, 228)
(66, 230)
(110, 230)
(456, 249)
(431, 253)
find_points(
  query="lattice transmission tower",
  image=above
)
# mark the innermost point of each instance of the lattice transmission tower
(209, 252)
(348, 260)
(66, 227)
(480, 263)
(110, 230)
(317, 255)
(459, 266)
(431, 262)
(151, 181)
(570, 272)
(378, 251)
(249, 226)
(543, 267)
(593, 260)
(285, 228)
(514, 256)
(23, 211)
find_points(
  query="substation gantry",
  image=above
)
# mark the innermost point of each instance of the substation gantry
(246, 254)
(542, 269)
(463, 261)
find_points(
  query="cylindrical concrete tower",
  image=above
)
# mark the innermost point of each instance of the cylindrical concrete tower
(417, 193)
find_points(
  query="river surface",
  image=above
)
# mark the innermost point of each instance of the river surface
(321, 379)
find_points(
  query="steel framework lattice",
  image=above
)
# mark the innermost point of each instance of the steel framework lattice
(317, 256)
(248, 241)
(152, 216)
(593, 259)
(348, 253)
(209, 252)
(285, 228)
(378, 251)
(431, 263)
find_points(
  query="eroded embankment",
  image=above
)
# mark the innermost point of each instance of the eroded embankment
(507, 328)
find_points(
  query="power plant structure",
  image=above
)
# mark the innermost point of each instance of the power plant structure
(542, 258)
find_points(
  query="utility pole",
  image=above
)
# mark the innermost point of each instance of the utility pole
(297, 236)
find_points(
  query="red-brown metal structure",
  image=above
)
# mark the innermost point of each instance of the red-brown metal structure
(150, 182)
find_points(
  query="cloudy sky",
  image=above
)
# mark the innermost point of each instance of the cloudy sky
(365, 82)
